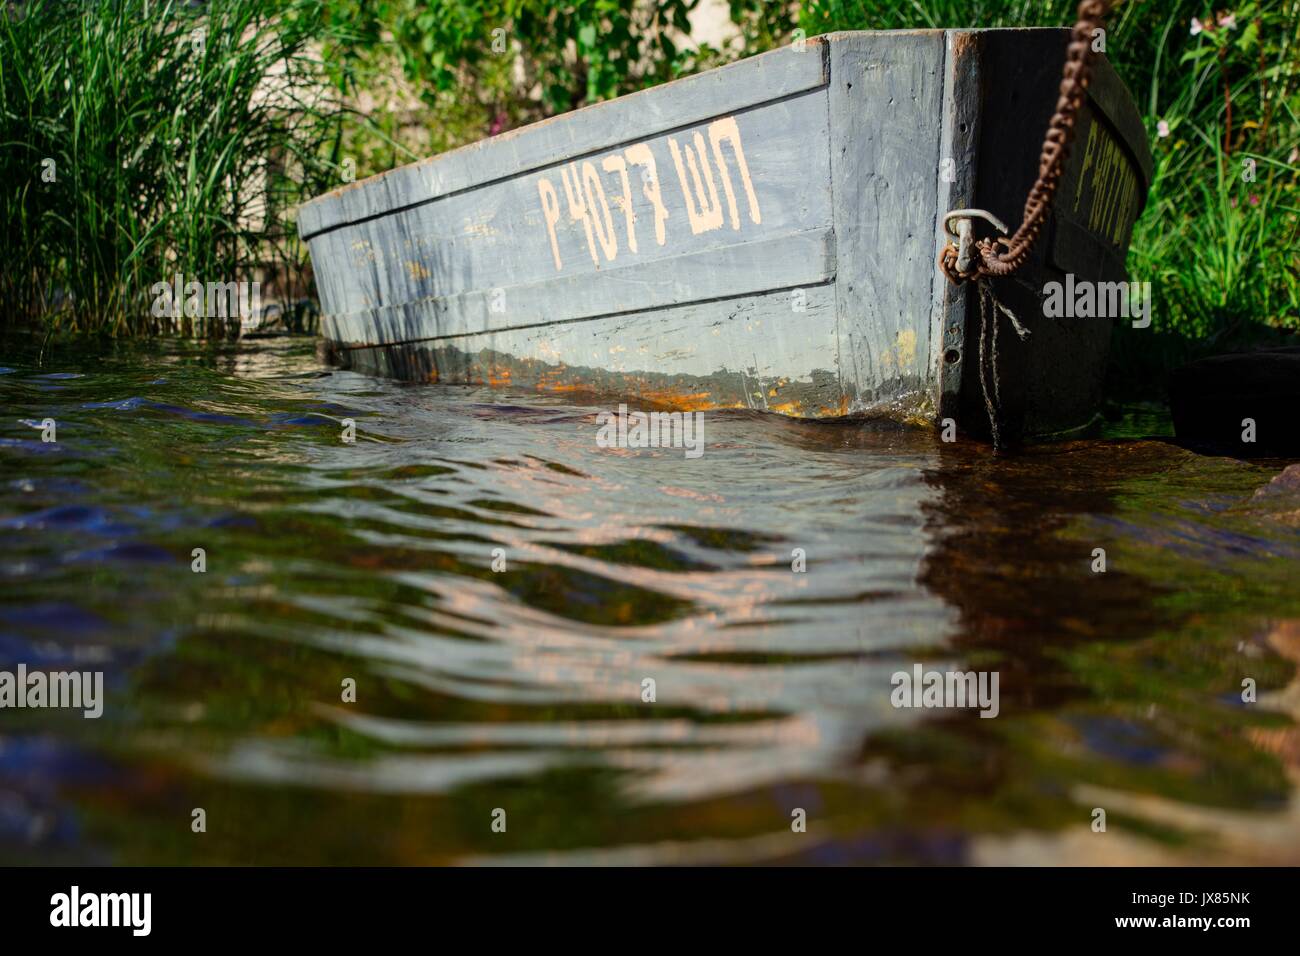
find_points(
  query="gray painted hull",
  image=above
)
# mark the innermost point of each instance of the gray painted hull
(761, 236)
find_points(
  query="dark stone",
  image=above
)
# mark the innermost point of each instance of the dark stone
(1286, 484)
(1211, 399)
(1279, 500)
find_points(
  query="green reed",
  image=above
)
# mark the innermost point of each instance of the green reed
(141, 139)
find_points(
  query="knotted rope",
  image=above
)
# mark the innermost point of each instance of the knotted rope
(989, 308)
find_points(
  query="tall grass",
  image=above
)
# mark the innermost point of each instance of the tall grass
(140, 139)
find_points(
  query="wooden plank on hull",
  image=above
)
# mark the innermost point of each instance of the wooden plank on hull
(955, 171)
(786, 262)
(885, 101)
(601, 127)
(596, 223)
(744, 353)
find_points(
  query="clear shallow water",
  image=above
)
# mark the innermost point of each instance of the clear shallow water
(522, 690)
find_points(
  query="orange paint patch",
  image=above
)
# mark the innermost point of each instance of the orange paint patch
(788, 408)
(829, 411)
(565, 387)
(682, 401)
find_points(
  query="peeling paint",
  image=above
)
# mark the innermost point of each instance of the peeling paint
(416, 270)
(905, 348)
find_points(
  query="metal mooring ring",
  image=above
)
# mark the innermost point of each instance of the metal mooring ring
(965, 235)
(973, 214)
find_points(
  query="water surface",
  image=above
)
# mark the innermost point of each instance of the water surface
(522, 689)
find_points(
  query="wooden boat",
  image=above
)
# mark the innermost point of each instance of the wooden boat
(760, 236)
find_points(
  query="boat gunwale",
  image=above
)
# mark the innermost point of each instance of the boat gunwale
(1107, 105)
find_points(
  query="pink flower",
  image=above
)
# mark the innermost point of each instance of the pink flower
(1228, 21)
(1233, 202)
(1162, 129)
(1254, 200)
(1196, 26)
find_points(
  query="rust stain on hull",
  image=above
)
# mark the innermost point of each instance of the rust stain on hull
(818, 397)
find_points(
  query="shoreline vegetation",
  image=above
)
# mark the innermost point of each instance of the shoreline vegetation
(148, 138)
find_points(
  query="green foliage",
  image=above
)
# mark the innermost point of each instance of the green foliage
(1220, 251)
(1219, 237)
(146, 138)
(480, 66)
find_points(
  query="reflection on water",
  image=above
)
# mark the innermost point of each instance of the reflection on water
(522, 689)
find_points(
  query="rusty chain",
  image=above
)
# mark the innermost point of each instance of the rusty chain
(989, 260)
